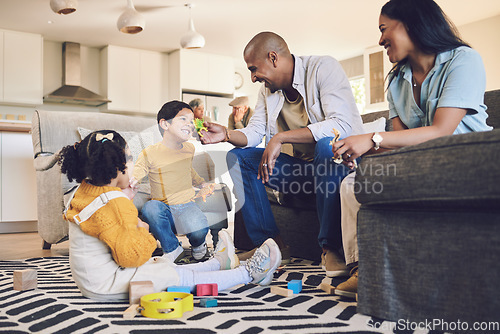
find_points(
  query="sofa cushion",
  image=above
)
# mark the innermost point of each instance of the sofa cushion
(377, 125)
(458, 171)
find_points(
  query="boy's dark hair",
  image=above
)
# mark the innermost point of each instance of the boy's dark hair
(98, 158)
(169, 110)
(427, 25)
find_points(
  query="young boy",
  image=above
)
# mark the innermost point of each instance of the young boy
(172, 177)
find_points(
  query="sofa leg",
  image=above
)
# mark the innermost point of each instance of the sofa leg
(46, 245)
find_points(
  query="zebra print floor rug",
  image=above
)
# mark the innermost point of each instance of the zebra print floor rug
(57, 306)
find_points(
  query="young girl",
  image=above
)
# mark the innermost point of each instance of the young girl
(110, 246)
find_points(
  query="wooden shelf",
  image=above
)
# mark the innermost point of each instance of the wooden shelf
(14, 126)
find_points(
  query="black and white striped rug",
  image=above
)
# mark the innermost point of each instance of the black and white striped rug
(57, 306)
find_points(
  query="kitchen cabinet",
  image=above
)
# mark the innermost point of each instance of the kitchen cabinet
(18, 201)
(21, 68)
(198, 72)
(376, 67)
(133, 79)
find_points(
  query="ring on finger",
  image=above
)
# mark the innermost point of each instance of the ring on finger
(264, 165)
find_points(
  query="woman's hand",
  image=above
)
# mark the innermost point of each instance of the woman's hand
(271, 153)
(140, 223)
(351, 148)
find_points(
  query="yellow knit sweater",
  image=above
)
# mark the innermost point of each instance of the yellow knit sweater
(115, 224)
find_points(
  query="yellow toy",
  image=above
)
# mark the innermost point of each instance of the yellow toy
(166, 305)
(198, 124)
(335, 139)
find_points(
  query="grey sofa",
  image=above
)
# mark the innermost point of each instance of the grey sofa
(429, 236)
(52, 130)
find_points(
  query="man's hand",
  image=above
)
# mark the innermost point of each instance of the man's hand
(214, 133)
(271, 153)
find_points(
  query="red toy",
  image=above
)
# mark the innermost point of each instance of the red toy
(207, 289)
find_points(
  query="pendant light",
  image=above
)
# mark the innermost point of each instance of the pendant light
(130, 22)
(63, 6)
(192, 39)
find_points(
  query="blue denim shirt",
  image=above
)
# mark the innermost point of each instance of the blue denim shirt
(457, 80)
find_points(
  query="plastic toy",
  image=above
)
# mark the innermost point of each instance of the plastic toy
(166, 305)
(177, 288)
(198, 124)
(295, 285)
(208, 302)
(333, 141)
(207, 289)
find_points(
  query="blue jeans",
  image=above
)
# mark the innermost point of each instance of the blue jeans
(290, 176)
(163, 218)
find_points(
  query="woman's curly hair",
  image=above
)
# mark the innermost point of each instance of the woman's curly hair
(98, 157)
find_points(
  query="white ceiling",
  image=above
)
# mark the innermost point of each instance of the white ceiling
(341, 28)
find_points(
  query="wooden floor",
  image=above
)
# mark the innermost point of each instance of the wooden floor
(18, 246)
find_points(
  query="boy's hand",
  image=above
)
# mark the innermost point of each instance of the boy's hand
(206, 190)
(140, 223)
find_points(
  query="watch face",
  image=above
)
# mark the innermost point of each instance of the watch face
(238, 80)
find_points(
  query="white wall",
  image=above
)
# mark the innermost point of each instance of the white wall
(483, 36)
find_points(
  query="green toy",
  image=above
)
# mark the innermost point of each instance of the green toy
(198, 124)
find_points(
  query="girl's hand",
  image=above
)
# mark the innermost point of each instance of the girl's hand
(140, 223)
(132, 189)
(351, 148)
(271, 153)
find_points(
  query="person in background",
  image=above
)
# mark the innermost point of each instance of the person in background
(199, 109)
(436, 88)
(302, 101)
(240, 117)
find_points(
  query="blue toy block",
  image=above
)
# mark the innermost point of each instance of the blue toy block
(177, 288)
(295, 285)
(208, 302)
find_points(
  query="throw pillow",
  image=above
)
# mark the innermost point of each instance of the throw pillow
(377, 125)
(137, 141)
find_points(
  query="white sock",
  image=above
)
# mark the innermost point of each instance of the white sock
(224, 279)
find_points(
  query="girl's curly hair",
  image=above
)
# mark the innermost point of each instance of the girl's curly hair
(98, 157)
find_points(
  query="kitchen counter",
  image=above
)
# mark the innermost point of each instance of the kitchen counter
(15, 126)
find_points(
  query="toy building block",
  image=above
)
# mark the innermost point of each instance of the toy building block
(177, 288)
(25, 279)
(207, 289)
(281, 291)
(131, 311)
(208, 302)
(327, 288)
(295, 285)
(138, 289)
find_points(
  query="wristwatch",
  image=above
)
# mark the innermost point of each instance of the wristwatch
(377, 139)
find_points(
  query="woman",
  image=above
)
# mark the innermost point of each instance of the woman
(436, 88)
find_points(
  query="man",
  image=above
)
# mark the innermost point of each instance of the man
(240, 117)
(302, 101)
(199, 109)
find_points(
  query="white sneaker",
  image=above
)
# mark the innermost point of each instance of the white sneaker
(199, 252)
(176, 254)
(263, 263)
(225, 252)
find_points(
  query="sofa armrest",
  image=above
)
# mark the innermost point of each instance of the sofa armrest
(459, 171)
(45, 162)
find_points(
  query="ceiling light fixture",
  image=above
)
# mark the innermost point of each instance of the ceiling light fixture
(63, 6)
(192, 39)
(131, 22)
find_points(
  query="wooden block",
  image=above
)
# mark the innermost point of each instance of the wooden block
(207, 289)
(138, 289)
(208, 302)
(295, 285)
(281, 291)
(176, 288)
(327, 288)
(25, 279)
(131, 311)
